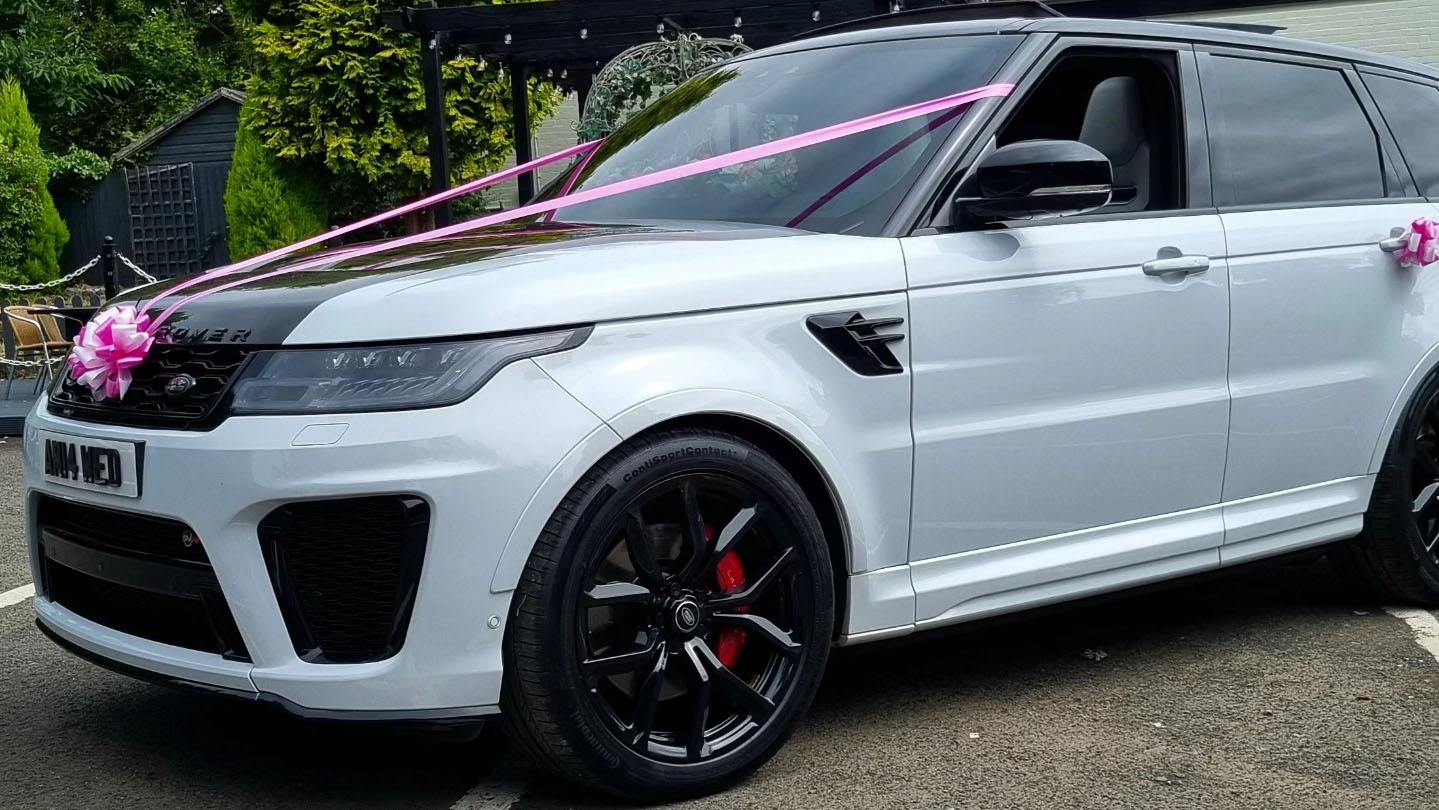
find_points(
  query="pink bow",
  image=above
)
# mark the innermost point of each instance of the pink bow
(113, 342)
(1421, 246)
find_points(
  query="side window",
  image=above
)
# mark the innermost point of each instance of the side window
(1412, 111)
(1125, 104)
(1283, 133)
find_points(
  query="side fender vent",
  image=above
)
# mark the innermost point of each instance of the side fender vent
(857, 341)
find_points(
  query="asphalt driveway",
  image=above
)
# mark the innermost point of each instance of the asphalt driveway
(1269, 688)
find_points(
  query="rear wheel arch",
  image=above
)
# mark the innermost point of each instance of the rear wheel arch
(1425, 370)
(1391, 555)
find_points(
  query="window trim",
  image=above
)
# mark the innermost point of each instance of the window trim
(1393, 155)
(1412, 78)
(1249, 209)
(1019, 70)
(1392, 168)
(954, 162)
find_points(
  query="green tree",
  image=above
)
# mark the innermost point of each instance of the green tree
(269, 204)
(100, 73)
(333, 85)
(31, 231)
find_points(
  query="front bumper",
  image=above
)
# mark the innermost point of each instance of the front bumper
(477, 464)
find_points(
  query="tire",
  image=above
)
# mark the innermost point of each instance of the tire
(649, 664)
(1397, 554)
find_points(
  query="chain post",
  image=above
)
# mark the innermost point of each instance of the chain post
(107, 266)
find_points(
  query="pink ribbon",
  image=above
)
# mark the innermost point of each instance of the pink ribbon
(1421, 245)
(134, 352)
(433, 199)
(800, 141)
(115, 341)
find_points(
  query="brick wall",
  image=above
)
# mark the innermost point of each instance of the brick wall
(1405, 28)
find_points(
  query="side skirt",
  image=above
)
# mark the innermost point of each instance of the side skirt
(1048, 570)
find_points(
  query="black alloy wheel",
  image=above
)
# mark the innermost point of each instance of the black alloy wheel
(673, 621)
(1397, 554)
(679, 666)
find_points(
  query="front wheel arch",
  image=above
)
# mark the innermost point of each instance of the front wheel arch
(798, 458)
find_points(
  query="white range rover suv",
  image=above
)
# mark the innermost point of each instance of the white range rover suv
(624, 475)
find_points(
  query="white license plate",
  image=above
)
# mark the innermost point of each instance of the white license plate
(99, 465)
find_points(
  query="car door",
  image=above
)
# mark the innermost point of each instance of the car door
(1308, 185)
(1070, 405)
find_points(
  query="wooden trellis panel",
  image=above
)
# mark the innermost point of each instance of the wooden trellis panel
(164, 228)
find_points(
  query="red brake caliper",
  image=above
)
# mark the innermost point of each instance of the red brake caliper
(729, 575)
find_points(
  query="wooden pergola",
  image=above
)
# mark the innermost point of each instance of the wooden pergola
(568, 41)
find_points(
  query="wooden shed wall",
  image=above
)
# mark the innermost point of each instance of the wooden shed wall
(206, 140)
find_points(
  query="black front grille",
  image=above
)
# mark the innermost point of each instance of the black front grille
(137, 574)
(345, 573)
(146, 404)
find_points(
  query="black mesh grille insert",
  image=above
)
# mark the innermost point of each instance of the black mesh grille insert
(120, 531)
(213, 369)
(134, 573)
(345, 573)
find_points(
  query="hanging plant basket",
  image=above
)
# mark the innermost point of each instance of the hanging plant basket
(639, 75)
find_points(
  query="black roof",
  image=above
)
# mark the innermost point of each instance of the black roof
(150, 138)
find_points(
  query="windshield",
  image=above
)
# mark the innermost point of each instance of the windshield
(850, 185)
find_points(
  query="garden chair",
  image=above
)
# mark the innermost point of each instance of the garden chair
(37, 335)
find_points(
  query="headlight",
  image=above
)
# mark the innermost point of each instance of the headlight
(384, 378)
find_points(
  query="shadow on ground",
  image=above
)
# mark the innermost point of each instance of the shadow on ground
(75, 736)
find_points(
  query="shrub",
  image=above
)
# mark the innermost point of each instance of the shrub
(77, 171)
(31, 231)
(331, 85)
(269, 203)
(19, 210)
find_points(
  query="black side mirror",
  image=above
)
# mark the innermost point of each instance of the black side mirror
(1036, 180)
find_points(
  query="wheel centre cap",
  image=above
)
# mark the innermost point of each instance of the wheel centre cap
(685, 615)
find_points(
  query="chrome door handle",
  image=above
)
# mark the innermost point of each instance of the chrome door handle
(1398, 239)
(1185, 265)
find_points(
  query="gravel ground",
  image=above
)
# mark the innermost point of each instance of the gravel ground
(1270, 688)
(14, 568)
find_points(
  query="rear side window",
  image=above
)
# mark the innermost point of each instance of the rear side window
(1287, 134)
(1412, 110)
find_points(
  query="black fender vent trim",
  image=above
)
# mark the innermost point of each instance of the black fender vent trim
(857, 341)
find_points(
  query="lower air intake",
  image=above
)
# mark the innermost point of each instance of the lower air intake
(345, 573)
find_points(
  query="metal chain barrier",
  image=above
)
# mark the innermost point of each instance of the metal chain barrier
(135, 268)
(63, 280)
(5, 361)
(45, 285)
(76, 273)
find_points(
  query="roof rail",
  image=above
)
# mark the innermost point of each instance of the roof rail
(1249, 28)
(950, 12)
